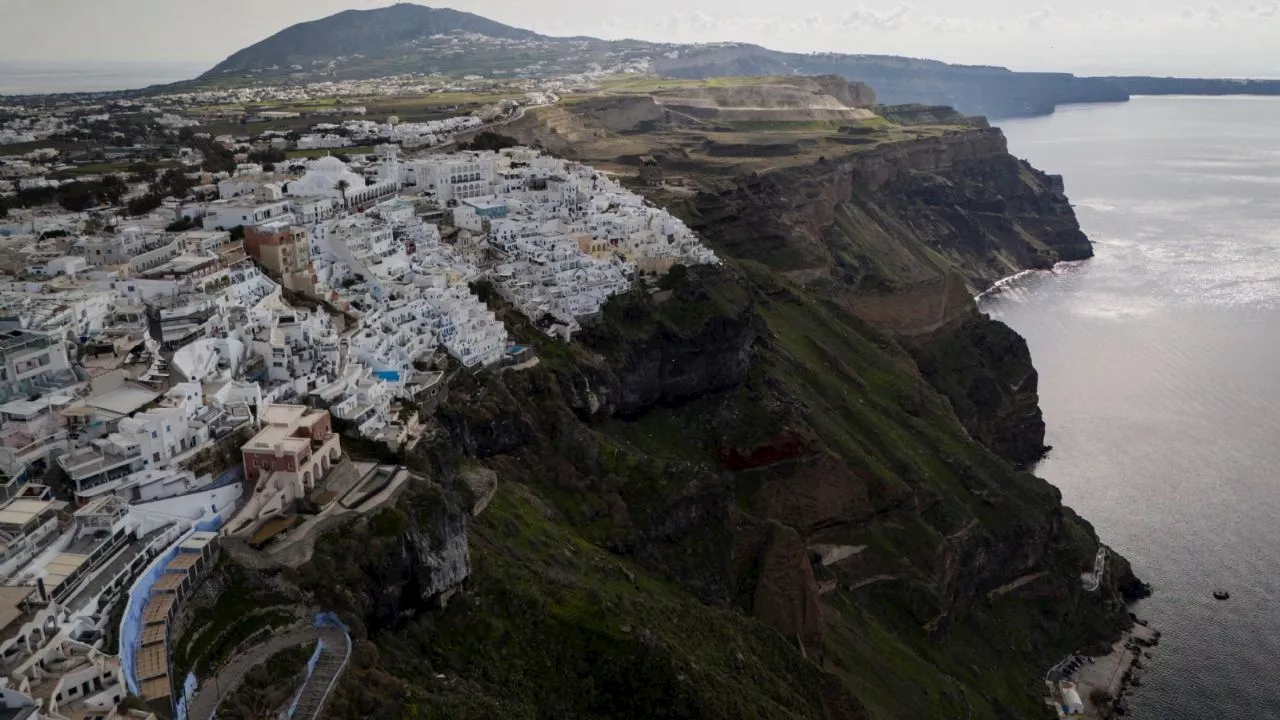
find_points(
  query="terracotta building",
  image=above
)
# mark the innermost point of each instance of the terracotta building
(285, 250)
(295, 443)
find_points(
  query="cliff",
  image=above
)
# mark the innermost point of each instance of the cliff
(884, 227)
(903, 235)
(984, 368)
(786, 487)
(801, 529)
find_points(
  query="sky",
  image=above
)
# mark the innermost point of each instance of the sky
(1222, 38)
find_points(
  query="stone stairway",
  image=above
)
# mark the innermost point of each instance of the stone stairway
(335, 649)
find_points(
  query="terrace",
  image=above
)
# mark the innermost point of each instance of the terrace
(91, 466)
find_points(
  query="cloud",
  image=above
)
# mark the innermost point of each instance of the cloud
(880, 22)
(862, 17)
(671, 24)
(700, 22)
(1037, 20)
(1265, 11)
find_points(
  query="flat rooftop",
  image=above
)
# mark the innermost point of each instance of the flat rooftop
(183, 563)
(157, 609)
(153, 662)
(11, 599)
(489, 202)
(181, 265)
(126, 399)
(21, 511)
(61, 567)
(273, 435)
(14, 340)
(153, 634)
(156, 688)
(170, 582)
(33, 407)
(283, 414)
(197, 542)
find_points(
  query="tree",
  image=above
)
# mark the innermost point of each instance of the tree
(267, 156)
(77, 197)
(342, 188)
(142, 172)
(144, 204)
(489, 140)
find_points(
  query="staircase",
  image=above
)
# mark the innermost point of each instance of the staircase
(335, 650)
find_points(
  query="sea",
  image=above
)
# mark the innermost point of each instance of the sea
(1159, 366)
(31, 78)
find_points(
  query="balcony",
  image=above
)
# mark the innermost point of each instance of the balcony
(89, 467)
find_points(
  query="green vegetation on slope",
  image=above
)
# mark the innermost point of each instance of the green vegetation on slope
(553, 626)
(946, 524)
(269, 687)
(233, 607)
(670, 483)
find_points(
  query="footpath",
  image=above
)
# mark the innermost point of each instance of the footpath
(213, 690)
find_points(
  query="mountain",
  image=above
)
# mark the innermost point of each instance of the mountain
(408, 38)
(362, 32)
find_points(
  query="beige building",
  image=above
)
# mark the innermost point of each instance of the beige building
(285, 250)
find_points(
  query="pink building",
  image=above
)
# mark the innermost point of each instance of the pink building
(296, 443)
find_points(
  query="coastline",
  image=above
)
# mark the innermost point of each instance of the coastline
(1117, 672)
(1004, 282)
(1100, 686)
(1009, 281)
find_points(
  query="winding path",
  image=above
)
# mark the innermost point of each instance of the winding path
(215, 689)
(1094, 580)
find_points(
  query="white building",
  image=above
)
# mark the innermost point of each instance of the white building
(453, 177)
(225, 214)
(329, 177)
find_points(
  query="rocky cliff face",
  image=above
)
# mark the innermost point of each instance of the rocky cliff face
(823, 433)
(665, 351)
(900, 214)
(904, 234)
(436, 557)
(745, 493)
(984, 368)
(398, 562)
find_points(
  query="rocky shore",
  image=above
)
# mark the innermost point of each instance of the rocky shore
(1106, 683)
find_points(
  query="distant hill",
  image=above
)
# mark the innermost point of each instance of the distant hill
(361, 32)
(407, 38)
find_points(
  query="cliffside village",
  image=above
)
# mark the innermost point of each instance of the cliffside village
(185, 376)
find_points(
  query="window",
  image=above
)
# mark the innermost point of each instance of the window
(154, 435)
(155, 457)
